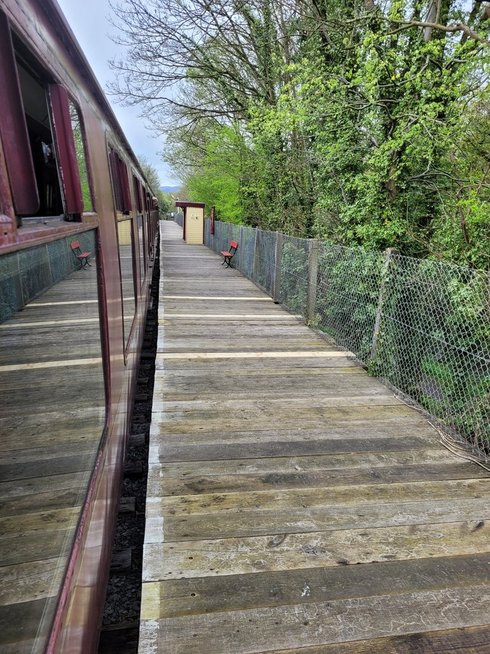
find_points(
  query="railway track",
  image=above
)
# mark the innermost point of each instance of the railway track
(120, 626)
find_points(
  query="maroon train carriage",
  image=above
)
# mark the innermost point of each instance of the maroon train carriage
(78, 231)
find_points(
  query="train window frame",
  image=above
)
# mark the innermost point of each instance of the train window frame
(82, 157)
(137, 194)
(34, 84)
(115, 178)
(140, 228)
(120, 180)
(127, 331)
(38, 138)
(142, 259)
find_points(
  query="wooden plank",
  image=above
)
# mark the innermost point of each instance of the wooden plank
(31, 581)
(265, 629)
(121, 561)
(324, 478)
(47, 428)
(55, 499)
(309, 585)
(42, 521)
(37, 546)
(414, 428)
(311, 498)
(219, 354)
(51, 363)
(284, 464)
(465, 640)
(373, 397)
(261, 522)
(36, 485)
(179, 422)
(48, 467)
(212, 451)
(229, 556)
(216, 365)
(21, 622)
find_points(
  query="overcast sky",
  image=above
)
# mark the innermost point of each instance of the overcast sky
(89, 20)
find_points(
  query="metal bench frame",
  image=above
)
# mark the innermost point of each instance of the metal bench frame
(83, 257)
(229, 254)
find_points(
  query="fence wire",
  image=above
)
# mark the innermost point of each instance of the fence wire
(293, 275)
(348, 289)
(423, 326)
(265, 260)
(434, 342)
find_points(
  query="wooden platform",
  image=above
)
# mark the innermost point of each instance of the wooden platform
(294, 504)
(51, 421)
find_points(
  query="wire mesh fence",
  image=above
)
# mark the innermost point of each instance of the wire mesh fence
(423, 326)
(179, 219)
(293, 275)
(264, 260)
(347, 299)
(434, 342)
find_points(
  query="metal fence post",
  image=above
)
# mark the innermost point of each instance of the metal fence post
(254, 265)
(314, 247)
(276, 289)
(388, 254)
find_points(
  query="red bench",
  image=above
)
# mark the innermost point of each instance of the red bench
(229, 254)
(81, 256)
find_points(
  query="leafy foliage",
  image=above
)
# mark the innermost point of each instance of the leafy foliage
(363, 122)
(153, 180)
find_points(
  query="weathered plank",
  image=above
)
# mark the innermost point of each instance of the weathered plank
(465, 640)
(311, 498)
(30, 581)
(230, 556)
(267, 418)
(323, 478)
(265, 629)
(248, 446)
(284, 464)
(241, 523)
(194, 595)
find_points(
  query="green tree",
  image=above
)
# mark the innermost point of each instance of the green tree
(153, 180)
(343, 119)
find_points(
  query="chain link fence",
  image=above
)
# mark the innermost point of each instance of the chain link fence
(434, 342)
(420, 325)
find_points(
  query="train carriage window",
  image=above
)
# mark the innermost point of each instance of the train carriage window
(142, 252)
(123, 175)
(126, 257)
(81, 156)
(120, 182)
(33, 88)
(141, 228)
(39, 137)
(137, 194)
(116, 179)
